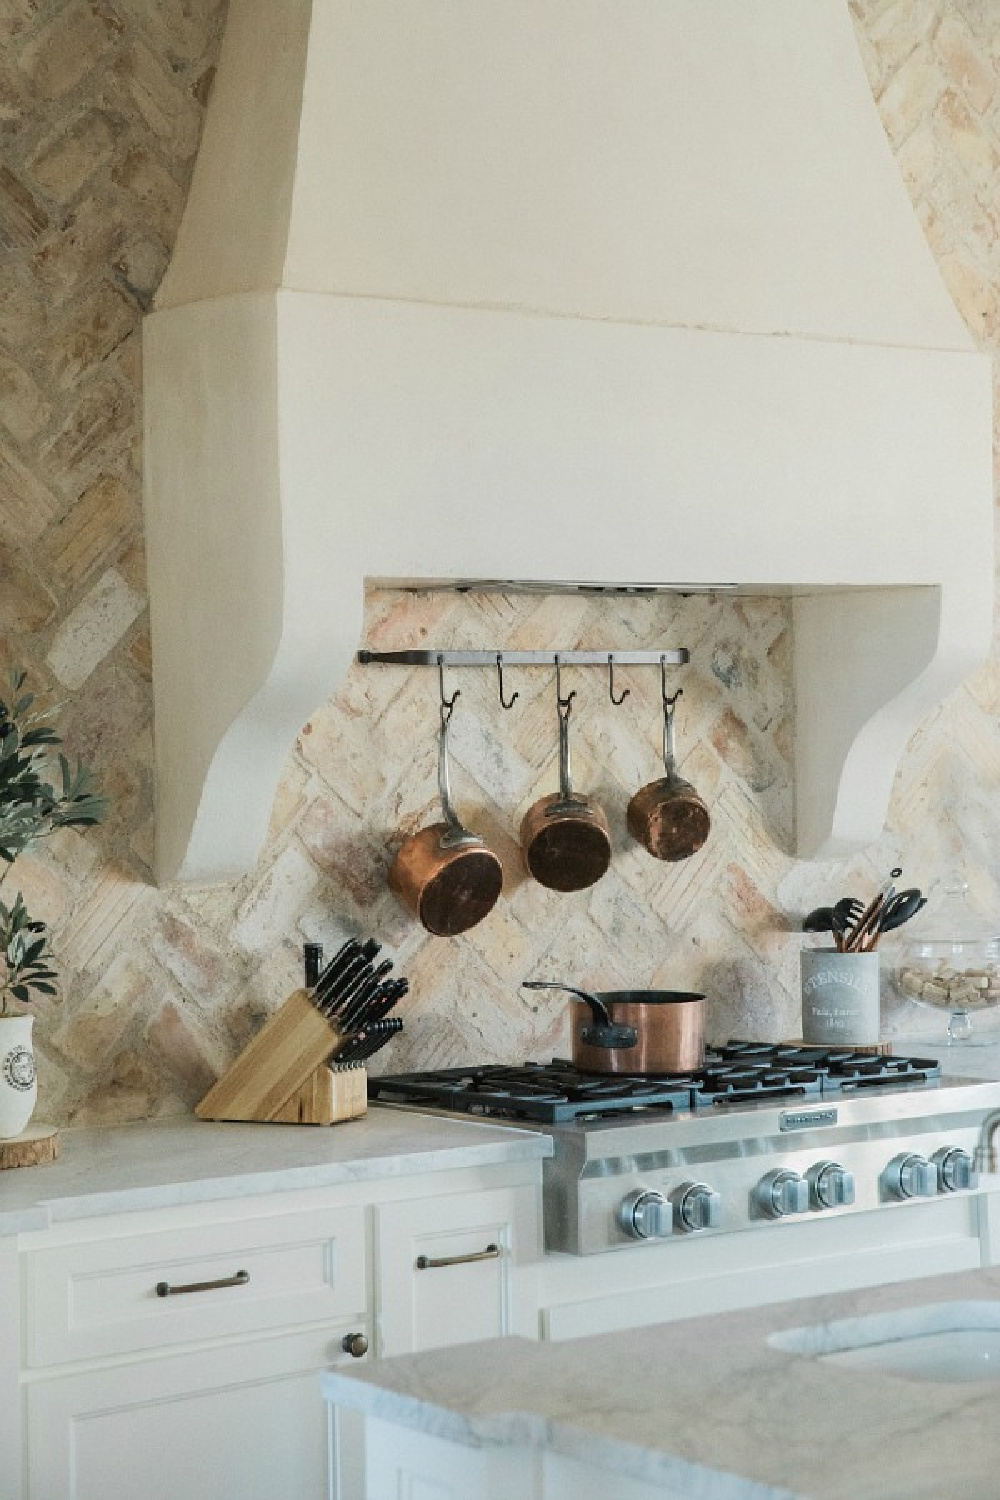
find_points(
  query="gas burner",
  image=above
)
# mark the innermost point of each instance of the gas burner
(553, 1092)
(536, 1091)
(734, 1074)
(753, 1078)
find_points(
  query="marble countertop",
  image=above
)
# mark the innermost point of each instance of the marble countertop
(166, 1163)
(708, 1407)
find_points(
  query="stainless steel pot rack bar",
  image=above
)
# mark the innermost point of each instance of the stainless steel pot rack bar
(675, 657)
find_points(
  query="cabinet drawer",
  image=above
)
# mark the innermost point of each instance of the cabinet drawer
(100, 1297)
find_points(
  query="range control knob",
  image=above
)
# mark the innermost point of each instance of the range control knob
(782, 1192)
(954, 1169)
(911, 1176)
(646, 1215)
(696, 1206)
(830, 1185)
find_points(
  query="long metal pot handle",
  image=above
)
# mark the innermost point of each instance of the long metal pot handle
(598, 1009)
(455, 836)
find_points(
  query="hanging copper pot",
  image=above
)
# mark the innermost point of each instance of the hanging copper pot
(565, 838)
(667, 816)
(446, 876)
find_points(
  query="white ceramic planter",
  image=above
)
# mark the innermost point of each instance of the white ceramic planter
(18, 1079)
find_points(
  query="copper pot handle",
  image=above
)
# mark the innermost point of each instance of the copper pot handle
(669, 709)
(567, 801)
(455, 836)
(604, 1032)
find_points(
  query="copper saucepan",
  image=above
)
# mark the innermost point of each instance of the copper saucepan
(447, 877)
(667, 816)
(669, 1027)
(565, 837)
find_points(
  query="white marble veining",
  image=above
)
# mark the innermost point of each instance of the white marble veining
(163, 1164)
(711, 1407)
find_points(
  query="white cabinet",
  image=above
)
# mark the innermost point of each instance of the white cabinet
(176, 1353)
(456, 1269)
(244, 1420)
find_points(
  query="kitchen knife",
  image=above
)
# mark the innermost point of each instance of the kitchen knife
(338, 963)
(333, 995)
(355, 1006)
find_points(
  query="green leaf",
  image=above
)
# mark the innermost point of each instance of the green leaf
(20, 991)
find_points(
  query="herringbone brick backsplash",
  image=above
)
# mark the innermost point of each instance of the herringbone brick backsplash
(101, 104)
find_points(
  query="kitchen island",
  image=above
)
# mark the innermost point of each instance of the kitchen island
(705, 1409)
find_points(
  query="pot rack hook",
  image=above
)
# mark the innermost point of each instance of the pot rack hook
(668, 699)
(611, 684)
(513, 696)
(563, 705)
(447, 704)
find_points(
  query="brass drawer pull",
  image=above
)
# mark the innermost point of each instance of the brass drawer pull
(431, 1263)
(164, 1289)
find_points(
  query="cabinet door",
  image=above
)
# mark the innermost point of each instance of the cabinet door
(450, 1269)
(240, 1422)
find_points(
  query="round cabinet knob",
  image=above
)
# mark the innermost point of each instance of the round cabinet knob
(911, 1176)
(782, 1192)
(697, 1206)
(830, 1185)
(646, 1215)
(354, 1344)
(954, 1169)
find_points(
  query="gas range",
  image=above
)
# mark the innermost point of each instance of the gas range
(761, 1136)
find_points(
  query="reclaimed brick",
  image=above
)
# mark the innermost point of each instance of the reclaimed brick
(96, 430)
(59, 56)
(89, 334)
(93, 528)
(97, 623)
(26, 605)
(79, 149)
(22, 218)
(170, 110)
(23, 408)
(155, 194)
(89, 235)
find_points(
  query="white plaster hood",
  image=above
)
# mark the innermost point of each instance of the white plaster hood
(617, 291)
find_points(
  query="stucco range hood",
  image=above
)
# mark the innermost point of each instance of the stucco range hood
(629, 285)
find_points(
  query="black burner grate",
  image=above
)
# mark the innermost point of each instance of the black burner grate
(734, 1074)
(535, 1091)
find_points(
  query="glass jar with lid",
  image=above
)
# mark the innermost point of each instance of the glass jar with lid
(950, 959)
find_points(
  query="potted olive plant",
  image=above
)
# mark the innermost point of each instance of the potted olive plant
(39, 792)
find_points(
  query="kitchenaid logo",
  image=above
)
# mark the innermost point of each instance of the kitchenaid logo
(801, 1119)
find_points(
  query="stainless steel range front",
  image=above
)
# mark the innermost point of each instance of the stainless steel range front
(761, 1137)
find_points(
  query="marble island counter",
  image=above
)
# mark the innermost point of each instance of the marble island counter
(705, 1409)
(131, 1168)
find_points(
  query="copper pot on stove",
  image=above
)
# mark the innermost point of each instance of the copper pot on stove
(635, 1031)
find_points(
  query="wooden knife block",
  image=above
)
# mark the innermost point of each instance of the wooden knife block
(333, 1093)
(283, 1074)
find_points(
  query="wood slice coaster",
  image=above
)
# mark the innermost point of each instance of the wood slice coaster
(35, 1146)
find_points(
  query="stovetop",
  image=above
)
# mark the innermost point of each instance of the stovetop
(735, 1074)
